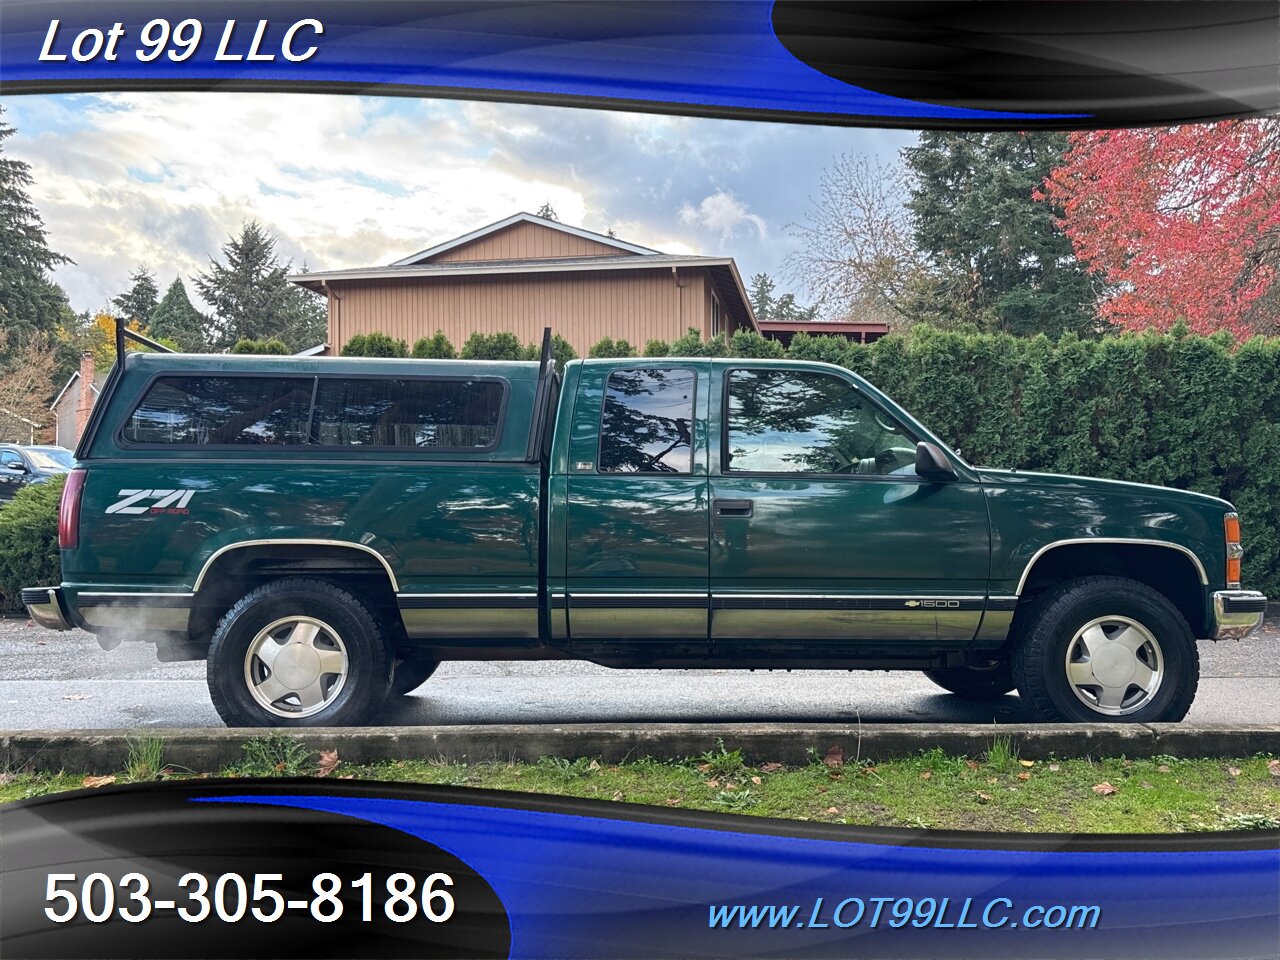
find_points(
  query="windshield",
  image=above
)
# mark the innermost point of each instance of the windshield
(46, 461)
(61, 455)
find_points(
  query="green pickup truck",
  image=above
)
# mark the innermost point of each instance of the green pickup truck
(325, 531)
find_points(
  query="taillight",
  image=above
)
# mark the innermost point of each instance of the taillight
(1231, 533)
(69, 511)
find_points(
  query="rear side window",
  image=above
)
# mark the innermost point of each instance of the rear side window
(222, 411)
(433, 414)
(647, 423)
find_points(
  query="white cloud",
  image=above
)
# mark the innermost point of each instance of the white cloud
(723, 214)
(164, 178)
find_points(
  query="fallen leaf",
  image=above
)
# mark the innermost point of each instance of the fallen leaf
(1163, 768)
(617, 794)
(730, 786)
(328, 761)
(347, 776)
(834, 757)
(713, 784)
(985, 797)
(823, 789)
(971, 764)
(99, 781)
(927, 775)
(1024, 776)
(770, 768)
(993, 780)
(1234, 771)
(674, 801)
(1273, 767)
(78, 696)
(593, 765)
(1055, 767)
(757, 781)
(1027, 763)
(833, 809)
(704, 768)
(1148, 786)
(280, 767)
(1104, 789)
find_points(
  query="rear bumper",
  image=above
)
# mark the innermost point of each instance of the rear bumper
(44, 605)
(1237, 613)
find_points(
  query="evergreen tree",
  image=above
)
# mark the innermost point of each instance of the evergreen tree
(252, 297)
(761, 295)
(547, 212)
(141, 299)
(768, 307)
(30, 303)
(174, 318)
(998, 257)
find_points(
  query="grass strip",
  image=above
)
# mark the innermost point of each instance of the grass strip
(997, 791)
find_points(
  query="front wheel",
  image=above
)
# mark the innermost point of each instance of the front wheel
(1105, 649)
(298, 653)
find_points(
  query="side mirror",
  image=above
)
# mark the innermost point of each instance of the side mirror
(932, 463)
(17, 467)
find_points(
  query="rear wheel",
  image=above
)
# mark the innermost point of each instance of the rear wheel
(993, 679)
(1106, 649)
(298, 653)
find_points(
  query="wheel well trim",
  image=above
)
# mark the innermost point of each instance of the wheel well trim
(1134, 541)
(293, 542)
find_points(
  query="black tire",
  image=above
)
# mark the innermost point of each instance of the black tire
(364, 685)
(1047, 628)
(977, 682)
(411, 673)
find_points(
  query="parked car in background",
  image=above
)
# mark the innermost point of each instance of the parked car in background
(20, 466)
(60, 454)
(325, 531)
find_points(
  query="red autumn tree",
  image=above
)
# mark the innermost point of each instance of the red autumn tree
(1182, 222)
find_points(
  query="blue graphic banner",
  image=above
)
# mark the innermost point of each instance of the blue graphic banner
(956, 64)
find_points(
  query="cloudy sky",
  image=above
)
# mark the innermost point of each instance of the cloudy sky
(162, 179)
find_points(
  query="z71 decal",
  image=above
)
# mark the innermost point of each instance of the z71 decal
(165, 502)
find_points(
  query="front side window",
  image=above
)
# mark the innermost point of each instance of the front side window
(431, 414)
(801, 421)
(647, 424)
(222, 411)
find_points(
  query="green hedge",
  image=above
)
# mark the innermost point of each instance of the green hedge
(29, 542)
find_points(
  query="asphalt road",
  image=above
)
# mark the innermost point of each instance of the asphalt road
(63, 681)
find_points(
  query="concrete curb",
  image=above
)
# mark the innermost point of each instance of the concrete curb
(211, 749)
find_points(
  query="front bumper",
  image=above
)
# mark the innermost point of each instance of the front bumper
(44, 604)
(1237, 613)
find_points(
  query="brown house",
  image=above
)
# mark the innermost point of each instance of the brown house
(525, 273)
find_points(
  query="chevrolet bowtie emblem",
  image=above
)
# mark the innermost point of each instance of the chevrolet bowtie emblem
(912, 603)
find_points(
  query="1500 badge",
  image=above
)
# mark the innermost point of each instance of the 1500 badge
(165, 502)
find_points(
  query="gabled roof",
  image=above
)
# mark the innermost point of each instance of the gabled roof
(67, 386)
(417, 258)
